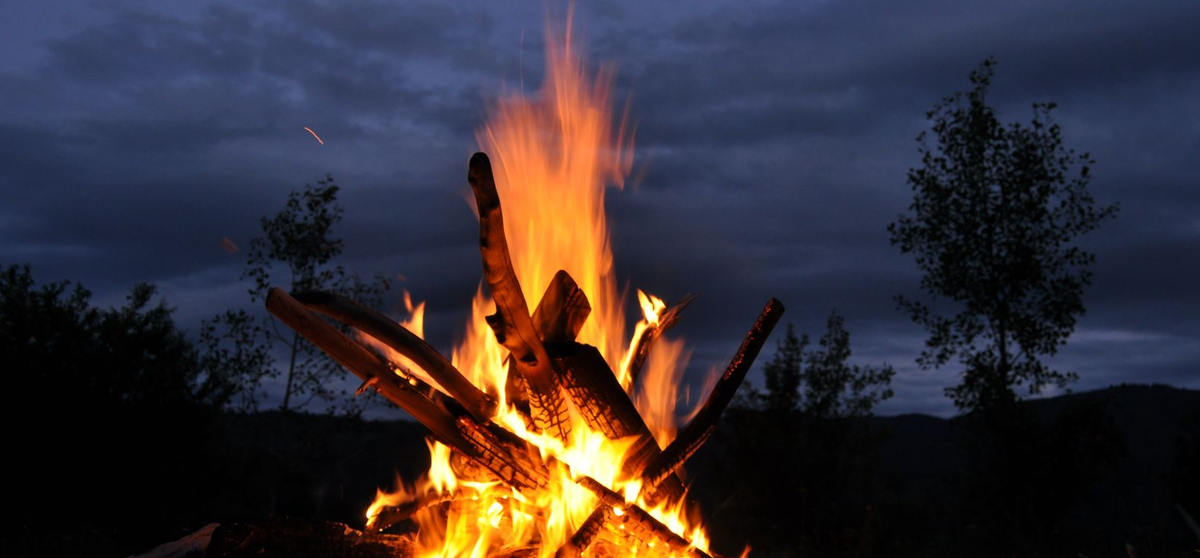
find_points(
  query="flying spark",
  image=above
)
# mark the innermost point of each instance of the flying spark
(314, 134)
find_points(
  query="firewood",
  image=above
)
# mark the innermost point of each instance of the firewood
(512, 322)
(403, 341)
(605, 407)
(697, 432)
(497, 450)
(561, 313)
(591, 385)
(638, 521)
(587, 532)
(645, 341)
(510, 458)
(367, 366)
(391, 515)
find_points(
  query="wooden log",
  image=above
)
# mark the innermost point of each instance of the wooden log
(391, 515)
(561, 313)
(503, 453)
(582, 539)
(606, 407)
(368, 367)
(705, 422)
(403, 341)
(510, 458)
(512, 322)
(638, 521)
(645, 341)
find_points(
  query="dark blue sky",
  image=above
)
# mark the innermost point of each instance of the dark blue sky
(772, 145)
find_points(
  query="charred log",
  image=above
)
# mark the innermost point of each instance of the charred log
(403, 341)
(645, 341)
(638, 521)
(587, 532)
(697, 432)
(512, 322)
(368, 367)
(561, 313)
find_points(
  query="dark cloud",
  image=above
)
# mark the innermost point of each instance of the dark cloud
(773, 140)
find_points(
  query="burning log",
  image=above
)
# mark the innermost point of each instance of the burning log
(643, 525)
(697, 432)
(605, 406)
(561, 313)
(505, 455)
(512, 323)
(587, 533)
(649, 336)
(366, 366)
(391, 515)
(403, 341)
(558, 318)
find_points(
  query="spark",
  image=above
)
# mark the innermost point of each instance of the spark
(314, 134)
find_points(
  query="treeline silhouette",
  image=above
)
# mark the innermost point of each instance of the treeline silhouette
(117, 444)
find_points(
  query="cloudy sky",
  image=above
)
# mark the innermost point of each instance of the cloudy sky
(772, 145)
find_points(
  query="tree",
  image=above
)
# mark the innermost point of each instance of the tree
(995, 213)
(296, 250)
(835, 389)
(113, 395)
(782, 375)
(804, 457)
(819, 383)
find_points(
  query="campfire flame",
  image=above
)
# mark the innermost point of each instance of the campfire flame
(554, 156)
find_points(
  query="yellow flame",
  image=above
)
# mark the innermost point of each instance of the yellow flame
(553, 156)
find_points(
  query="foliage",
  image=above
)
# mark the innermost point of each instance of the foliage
(52, 337)
(995, 213)
(819, 383)
(804, 452)
(295, 251)
(106, 406)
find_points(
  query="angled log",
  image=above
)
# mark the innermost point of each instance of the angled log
(391, 515)
(605, 407)
(705, 422)
(582, 539)
(504, 454)
(561, 313)
(638, 521)
(368, 367)
(405, 342)
(493, 448)
(512, 322)
(645, 341)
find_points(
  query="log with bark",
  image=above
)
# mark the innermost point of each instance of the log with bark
(512, 322)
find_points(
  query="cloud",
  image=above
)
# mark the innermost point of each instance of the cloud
(773, 141)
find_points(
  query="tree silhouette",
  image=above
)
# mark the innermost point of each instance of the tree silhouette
(995, 213)
(800, 450)
(296, 250)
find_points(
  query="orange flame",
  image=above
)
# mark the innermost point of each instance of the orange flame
(553, 157)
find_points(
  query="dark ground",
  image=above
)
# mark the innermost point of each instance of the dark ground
(118, 485)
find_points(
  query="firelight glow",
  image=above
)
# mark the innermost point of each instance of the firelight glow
(554, 155)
